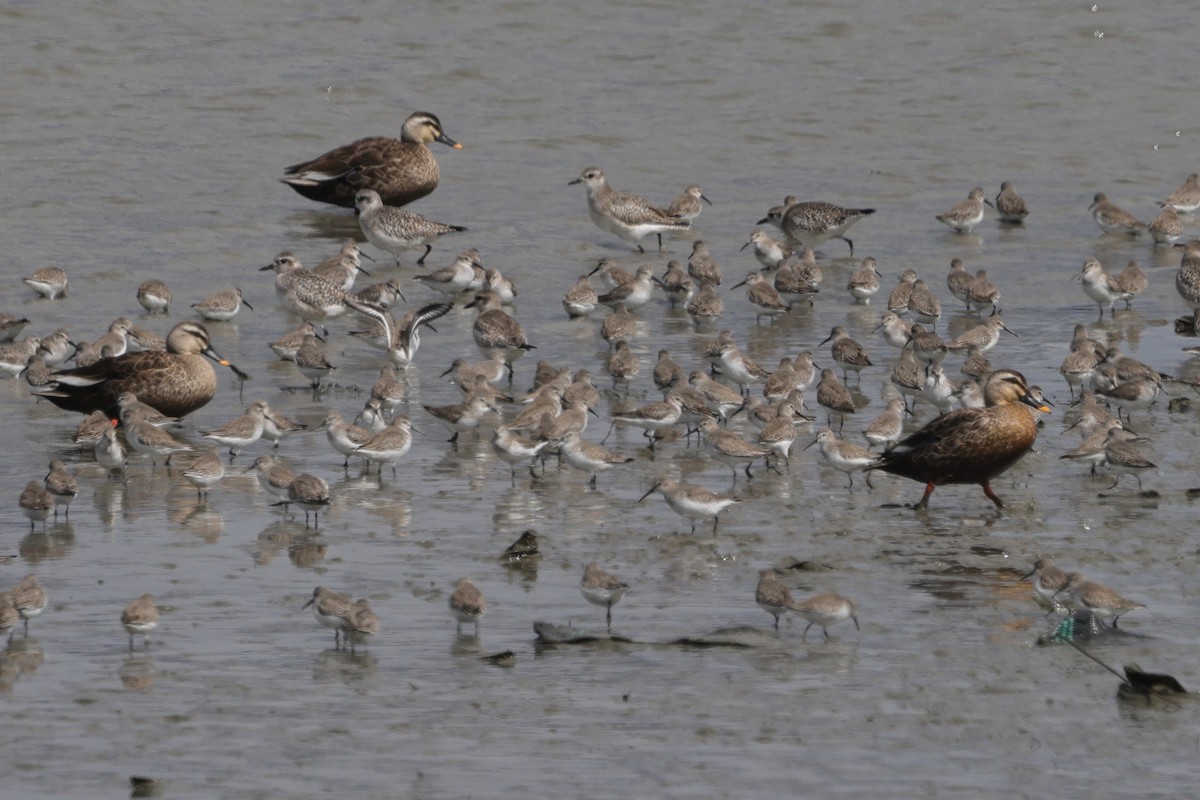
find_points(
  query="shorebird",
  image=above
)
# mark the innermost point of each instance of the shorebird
(454, 279)
(581, 299)
(360, 624)
(848, 353)
(625, 215)
(864, 281)
(329, 609)
(140, 616)
(222, 306)
(242, 431)
(467, 604)
(845, 457)
(834, 395)
(1112, 219)
(587, 457)
(769, 252)
(1048, 581)
(602, 588)
(397, 229)
(1010, 206)
(692, 502)
(1097, 600)
(813, 222)
(403, 342)
(688, 204)
(1186, 198)
(1166, 228)
(764, 297)
(701, 266)
(154, 296)
(496, 329)
(966, 214)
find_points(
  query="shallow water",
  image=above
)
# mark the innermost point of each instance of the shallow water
(142, 145)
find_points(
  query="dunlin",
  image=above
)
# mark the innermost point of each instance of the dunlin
(467, 604)
(1097, 600)
(772, 596)
(242, 431)
(1186, 198)
(464, 416)
(769, 252)
(36, 503)
(864, 281)
(824, 610)
(619, 326)
(763, 296)
(454, 279)
(205, 471)
(512, 448)
(702, 267)
(580, 300)
(496, 329)
(49, 282)
(835, 397)
(222, 306)
(311, 493)
(389, 445)
(635, 293)
(1166, 228)
(343, 436)
(329, 608)
(154, 296)
(590, 458)
(29, 599)
(602, 588)
(360, 624)
(312, 361)
(1048, 581)
(688, 204)
(273, 477)
(966, 214)
(286, 346)
(140, 616)
(1010, 206)
(1113, 219)
(62, 486)
(395, 229)
(848, 353)
(845, 457)
(692, 502)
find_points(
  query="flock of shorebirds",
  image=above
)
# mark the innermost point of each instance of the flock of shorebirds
(131, 378)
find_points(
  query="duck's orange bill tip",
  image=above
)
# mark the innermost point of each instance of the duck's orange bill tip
(457, 146)
(115, 422)
(1044, 409)
(224, 363)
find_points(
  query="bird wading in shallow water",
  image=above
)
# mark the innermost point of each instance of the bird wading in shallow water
(971, 445)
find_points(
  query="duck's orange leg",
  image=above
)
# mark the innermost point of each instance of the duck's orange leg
(987, 489)
(924, 501)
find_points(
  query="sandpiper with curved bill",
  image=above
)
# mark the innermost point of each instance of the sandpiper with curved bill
(154, 296)
(361, 624)
(825, 610)
(688, 204)
(1186, 198)
(242, 431)
(625, 215)
(140, 616)
(36, 503)
(396, 229)
(29, 599)
(400, 170)
(496, 329)
(205, 471)
(1097, 600)
(966, 214)
(602, 588)
(389, 445)
(222, 306)
(1113, 219)
(845, 457)
(329, 608)
(311, 493)
(467, 604)
(1011, 207)
(692, 502)
(49, 282)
